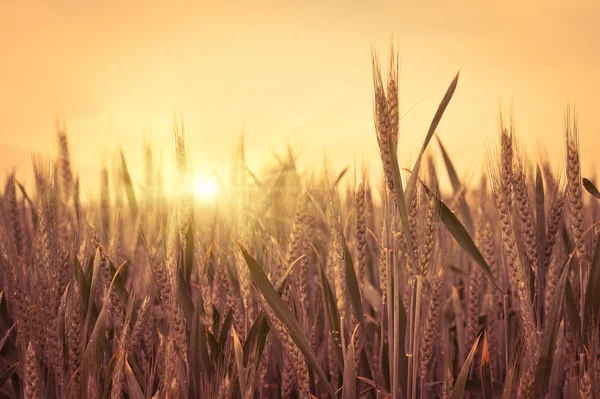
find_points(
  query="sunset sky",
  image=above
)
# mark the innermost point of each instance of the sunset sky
(297, 72)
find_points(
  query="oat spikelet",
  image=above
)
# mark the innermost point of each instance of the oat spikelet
(14, 216)
(183, 183)
(574, 179)
(429, 233)
(382, 264)
(574, 194)
(224, 388)
(149, 172)
(413, 223)
(524, 212)
(525, 389)
(334, 373)
(305, 263)
(116, 309)
(74, 331)
(161, 272)
(295, 242)
(205, 291)
(554, 270)
(432, 324)
(361, 233)
(554, 224)
(382, 122)
(65, 166)
(393, 107)
(294, 354)
(230, 300)
(288, 379)
(339, 256)
(32, 377)
(104, 202)
(45, 176)
(140, 325)
(585, 386)
(506, 159)
(518, 276)
(264, 365)
(448, 384)
(476, 289)
(495, 302)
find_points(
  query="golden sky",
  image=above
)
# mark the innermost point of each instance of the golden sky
(289, 71)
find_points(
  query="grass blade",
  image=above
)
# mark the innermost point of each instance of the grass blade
(7, 374)
(461, 380)
(224, 332)
(133, 387)
(540, 234)
(349, 391)
(572, 311)
(485, 370)
(5, 337)
(285, 316)
(400, 198)
(458, 321)
(556, 380)
(372, 296)
(412, 181)
(456, 186)
(591, 188)
(184, 297)
(452, 175)
(462, 237)
(259, 331)
(129, 187)
(352, 285)
(340, 176)
(257, 325)
(546, 357)
(331, 313)
(239, 361)
(591, 306)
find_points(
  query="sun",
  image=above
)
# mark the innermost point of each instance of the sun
(206, 188)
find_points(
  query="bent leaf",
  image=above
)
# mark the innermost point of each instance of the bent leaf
(412, 181)
(461, 236)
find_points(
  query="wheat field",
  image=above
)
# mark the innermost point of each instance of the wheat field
(306, 284)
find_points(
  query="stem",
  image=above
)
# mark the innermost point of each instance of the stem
(415, 334)
(396, 329)
(581, 289)
(381, 342)
(506, 330)
(343, 339)
(409, 343)
(390, 320)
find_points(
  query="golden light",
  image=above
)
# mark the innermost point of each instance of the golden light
(206, 188)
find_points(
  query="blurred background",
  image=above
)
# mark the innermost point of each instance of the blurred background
(289, 73)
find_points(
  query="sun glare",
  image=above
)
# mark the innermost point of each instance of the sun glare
(206, 188)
